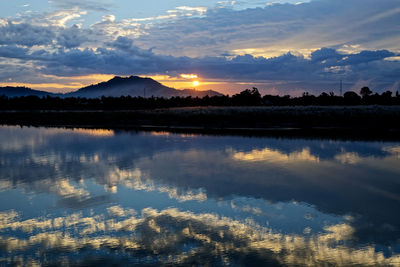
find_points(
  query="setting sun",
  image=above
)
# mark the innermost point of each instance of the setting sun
(196, 83)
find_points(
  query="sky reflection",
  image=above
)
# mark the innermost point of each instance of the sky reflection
(67, 196)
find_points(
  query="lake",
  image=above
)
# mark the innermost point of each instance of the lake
(87, 197)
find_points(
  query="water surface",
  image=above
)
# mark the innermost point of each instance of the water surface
(90, 197)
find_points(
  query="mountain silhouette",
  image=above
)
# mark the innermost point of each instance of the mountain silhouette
(22, 91)
(118, 86)
(135, 86)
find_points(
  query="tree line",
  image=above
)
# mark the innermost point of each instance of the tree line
(248, 97)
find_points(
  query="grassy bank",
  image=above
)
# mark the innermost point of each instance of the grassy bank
(376, 122)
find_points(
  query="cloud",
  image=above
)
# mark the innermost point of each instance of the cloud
(280, 27)
(269, 155)
(59, 18)
(100, 6)
(366, 57)
(325, 54)
(13, 51)
(72, 37)
(292, 47)
(25, 34)
(122, 57)
(163, 237)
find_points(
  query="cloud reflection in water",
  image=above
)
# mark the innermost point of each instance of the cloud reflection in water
(171, 236)
(177, 199)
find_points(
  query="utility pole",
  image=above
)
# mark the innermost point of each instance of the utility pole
(144, 92)
(341, 87)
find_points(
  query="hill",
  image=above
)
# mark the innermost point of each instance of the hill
(135, 86)
(22, 91)
(118, 86)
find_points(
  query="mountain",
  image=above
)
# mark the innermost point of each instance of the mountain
(22, 91)
(135, 86)
(116, 87)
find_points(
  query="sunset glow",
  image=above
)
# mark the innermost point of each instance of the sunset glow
(62, 46)
(207, 133)
(189, 76)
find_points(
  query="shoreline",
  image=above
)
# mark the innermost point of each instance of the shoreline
(350, 123)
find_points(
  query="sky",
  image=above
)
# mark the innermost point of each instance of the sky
(280, 47)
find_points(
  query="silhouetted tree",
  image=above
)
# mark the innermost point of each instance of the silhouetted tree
(351, 98)
(387, 94)
(386, 98)
(323, 94)
(351, 95)
(248, 97)
(365, 92)
(324, 99)
(306, 99)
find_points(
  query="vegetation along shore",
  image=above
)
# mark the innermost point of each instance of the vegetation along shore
(370, 116)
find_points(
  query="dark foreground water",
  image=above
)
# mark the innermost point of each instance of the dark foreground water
(100, 197)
